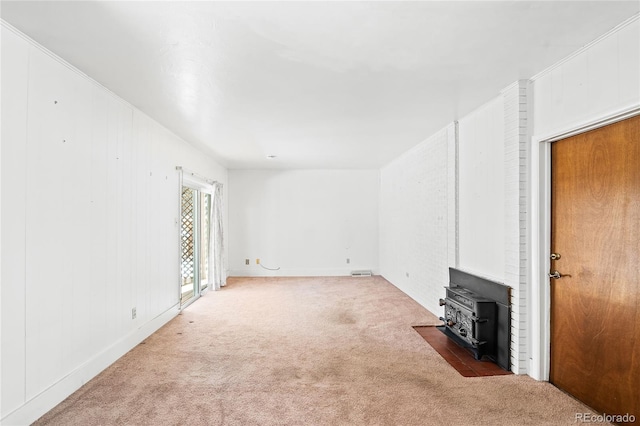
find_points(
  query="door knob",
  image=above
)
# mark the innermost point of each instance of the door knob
(555, 275)
(555, 256)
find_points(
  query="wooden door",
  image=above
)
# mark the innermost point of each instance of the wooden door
(595, 313)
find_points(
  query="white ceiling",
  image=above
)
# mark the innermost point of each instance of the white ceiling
(318, 84)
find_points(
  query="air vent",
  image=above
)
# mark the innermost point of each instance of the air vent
(360, 273)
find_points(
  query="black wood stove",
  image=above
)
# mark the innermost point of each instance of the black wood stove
(477, 316)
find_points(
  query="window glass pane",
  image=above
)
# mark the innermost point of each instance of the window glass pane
(187, 241)
(205, 217)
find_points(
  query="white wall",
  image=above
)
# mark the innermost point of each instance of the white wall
(416, 219)
(90, 203)
(594, 83)
(481, 186)
(307, 222)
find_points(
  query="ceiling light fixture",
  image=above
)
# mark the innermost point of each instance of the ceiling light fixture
(271, 157)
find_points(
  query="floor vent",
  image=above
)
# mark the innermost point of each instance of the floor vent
(360, 273)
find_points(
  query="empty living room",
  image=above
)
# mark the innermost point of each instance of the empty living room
(319, 212)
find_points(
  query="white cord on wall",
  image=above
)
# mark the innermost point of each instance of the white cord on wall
(269, 269)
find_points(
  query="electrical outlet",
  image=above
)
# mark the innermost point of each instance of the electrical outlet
(246, 261)
(134, 313)
(257, 261)
(348, 260)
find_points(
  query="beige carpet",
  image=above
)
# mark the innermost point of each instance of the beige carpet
(303, 351)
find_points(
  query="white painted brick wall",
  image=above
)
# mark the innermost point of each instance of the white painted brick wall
(515, 217)
(419, 217)
(415, 219)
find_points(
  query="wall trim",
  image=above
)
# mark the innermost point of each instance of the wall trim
(40, 404)
(590, 123)
(587, 46)
(541, 231)
(61, 61)
(293, 272)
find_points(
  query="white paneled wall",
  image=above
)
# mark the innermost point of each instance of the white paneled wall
(14, 130)
(416, 221)
(90, 209)
(306, 222)
(481, 191)
(597, 81)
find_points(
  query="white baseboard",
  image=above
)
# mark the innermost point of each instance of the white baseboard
(320, 272)
(39, 405)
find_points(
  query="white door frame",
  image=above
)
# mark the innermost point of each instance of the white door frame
(541, 233)
(201, 185)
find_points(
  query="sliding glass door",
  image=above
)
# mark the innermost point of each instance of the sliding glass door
(194, 241)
